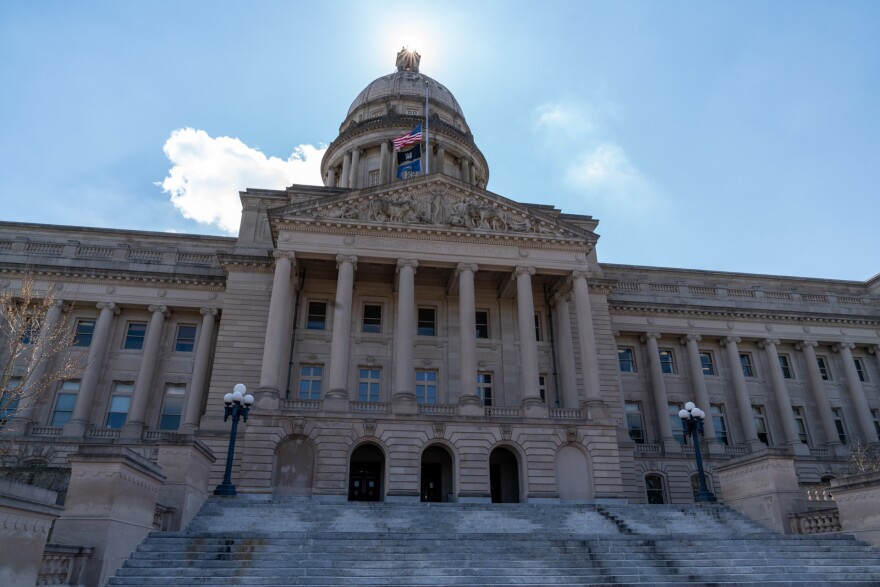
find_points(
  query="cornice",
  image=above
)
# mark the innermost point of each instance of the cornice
(97, 275)
(736, 314)
(247, 263)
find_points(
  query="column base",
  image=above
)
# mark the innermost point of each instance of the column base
(713, 447)
(267, 398)
(799, 449)
(404, 403)
(132, 430)
(16, 427)
(755, 445)
(75, 429)
(534, 407)
(470, 405)
(596, 411)
(336, 400)
(671, 446)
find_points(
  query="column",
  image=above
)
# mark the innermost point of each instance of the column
(383, 163)
(468, 331)
(331, 178)
(391, 165)
(586, 336)
(699, 383)
(273, 346)
(780, 391)
(354, 179)
(440, 160)
(472, 179)
(819, 394)
(197, 386)
(658, 391)
(405, 331)
(346, 170)
(341, 341)
(143, 384)
(565, 352)
(465, 172)
(89, 381)
(857, 392)
(741, 392)
(528, 346)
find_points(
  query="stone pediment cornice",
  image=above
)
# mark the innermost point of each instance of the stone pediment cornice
(436, 205)
(82, 274)
(617, 309)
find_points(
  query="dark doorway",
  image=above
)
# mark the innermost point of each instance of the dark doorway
(365, 474)
(503, 476)
(437, 484)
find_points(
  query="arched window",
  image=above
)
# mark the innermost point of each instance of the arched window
(655, 489)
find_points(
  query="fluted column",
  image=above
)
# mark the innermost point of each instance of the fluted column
(143, 385)
(819, 395)
(780, 391)
(355, 177)
(658, 392)
(341, 341)
(468, 330)
(528, 346)
(405, 332)
(383, 163)
(346, 170)
(89, 381)
(699, 382)
(282, 295)
(197, 386)
(857, 393)
(565, 352)
(741, 392)
(586, 335)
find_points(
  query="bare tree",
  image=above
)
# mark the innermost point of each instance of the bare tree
(864, 458)
(35, 341)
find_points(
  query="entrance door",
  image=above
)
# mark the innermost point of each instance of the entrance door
(432, 482)
(365, 474)
(437, 483)
(503, 476)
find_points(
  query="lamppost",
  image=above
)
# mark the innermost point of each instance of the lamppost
(692, 421)
(237, 405)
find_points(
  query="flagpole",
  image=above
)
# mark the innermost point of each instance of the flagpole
(427, 144)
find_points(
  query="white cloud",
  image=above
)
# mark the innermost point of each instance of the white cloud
(569, 119)
(606, 174)
(207, 174)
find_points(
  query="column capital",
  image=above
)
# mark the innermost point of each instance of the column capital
(351, 259)
(649, 335)
(579, 273)
(768, 342)
(806, 343)
(843, 345)
(525, 269)
(208, 311)
(690, 337)
(277, 254)
(560, 296)
(472, 267)
(874, 350)
(414, 263)
(109, 306)
(160, 310)
(726, 340)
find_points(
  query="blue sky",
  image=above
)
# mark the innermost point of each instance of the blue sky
(736, 136)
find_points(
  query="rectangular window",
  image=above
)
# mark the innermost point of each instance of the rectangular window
(627, 360)
(484, 388)
(876, 415)
(719, 422)
(9, 400)
(373, 178)
(369, 379)
(120, 402)
(482, 321)
(426, 386)
(372, 319)
(172, 407)
(785, 365)
(82, 336)
(860, 369)
(542, 387)
(427, 322)
(185, 339)
(707, 363)
(65, 403)
(667, 362)
(538, 336)
(310, 378)
(800, 422)
(317, 316)
(745, 361)
(823, 368)
(761, 424)
(135, 333)
(838, 423)
(676, 423)
(634, 422)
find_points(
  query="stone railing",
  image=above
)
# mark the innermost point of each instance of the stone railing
(438, 409)
(104, 433)
(504, 412)
(380, 407)
(63, 565)
(815, 522)
(163, 435)
(566, 413)
(649, 449)
(820, 452)
(814, 493)
(300, 404)
(736, 451)
(44, 430)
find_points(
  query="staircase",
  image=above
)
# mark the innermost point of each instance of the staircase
(248, 541)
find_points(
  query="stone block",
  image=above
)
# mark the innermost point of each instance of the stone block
(187, 469)
(858, 503)
(26, 516)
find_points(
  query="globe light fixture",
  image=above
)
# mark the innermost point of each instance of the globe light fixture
(236, 404)
(692, 419)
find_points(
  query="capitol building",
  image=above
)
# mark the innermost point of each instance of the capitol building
(417, 337)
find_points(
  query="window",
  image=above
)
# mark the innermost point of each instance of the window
(310, 377)
(800, 422)
(185, 340)
(542, 386)
(65, 403)
(626, 359)
(761, 424)
(860, 369)
(538, 327)
(427, 322)
(634, 422)
(823, 368)
(82, 335)
(9, 400)
(838, 423)
(120, 402)
(707, 363)
(317, 316)
(484, 388)
(426, 387)
(719, 423)
(876, 415)
(172, 407)
(785, 365)
(482, 321)
(28, 334)
(654, 489)
(676, 423)
(135, 333)
(667, 362)
(372, 319)
(368, 384)
(373, 178)
(745, 361)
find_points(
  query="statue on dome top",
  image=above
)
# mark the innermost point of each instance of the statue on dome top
(408, 60)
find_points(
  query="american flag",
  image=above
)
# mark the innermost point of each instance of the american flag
(409, 139)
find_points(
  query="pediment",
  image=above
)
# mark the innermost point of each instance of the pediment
(433, 204)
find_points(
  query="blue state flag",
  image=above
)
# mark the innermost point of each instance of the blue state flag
(413, 166)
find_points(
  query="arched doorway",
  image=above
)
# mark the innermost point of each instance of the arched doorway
(294, 467)
(573, 475)
(503, 476)
(437, 481)
(365, 473)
